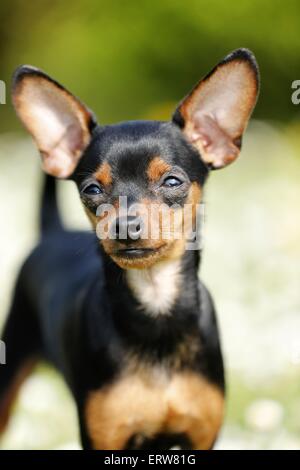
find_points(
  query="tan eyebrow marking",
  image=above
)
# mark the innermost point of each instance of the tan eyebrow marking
(157, 167)
(103, 174)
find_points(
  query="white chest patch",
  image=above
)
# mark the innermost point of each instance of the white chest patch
(156, 288)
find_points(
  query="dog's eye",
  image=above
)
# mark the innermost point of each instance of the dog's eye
(92, 190)
(172, 182)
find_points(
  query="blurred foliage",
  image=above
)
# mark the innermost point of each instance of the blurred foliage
(125, 57)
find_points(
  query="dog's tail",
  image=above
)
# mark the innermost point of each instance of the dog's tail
(50, 220)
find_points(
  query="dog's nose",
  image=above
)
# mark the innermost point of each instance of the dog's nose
(128, 228)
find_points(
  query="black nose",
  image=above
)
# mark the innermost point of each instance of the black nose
(128, 228)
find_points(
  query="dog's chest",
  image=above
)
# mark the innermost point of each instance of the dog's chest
(156, 289)
(145, 404)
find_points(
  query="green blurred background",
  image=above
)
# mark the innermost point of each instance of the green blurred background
(133, 60)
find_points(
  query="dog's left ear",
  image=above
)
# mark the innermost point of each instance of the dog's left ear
(214, 115)
(58, 122)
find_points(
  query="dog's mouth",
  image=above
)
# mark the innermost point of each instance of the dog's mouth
(137, 256)
(134, 252)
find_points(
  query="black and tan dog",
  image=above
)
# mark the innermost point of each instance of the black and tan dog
(125, 319)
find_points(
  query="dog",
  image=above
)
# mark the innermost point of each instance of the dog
(125, 319)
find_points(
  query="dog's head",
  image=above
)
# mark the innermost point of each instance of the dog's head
(137, 178)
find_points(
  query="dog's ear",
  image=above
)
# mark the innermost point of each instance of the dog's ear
(58, 122)
(214, 115)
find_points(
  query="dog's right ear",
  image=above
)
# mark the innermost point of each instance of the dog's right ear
(58, 122)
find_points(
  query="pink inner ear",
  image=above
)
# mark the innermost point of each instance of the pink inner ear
(57, 121)
(214, 144)
(217, 111)
(59, 160)
(75, 138)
